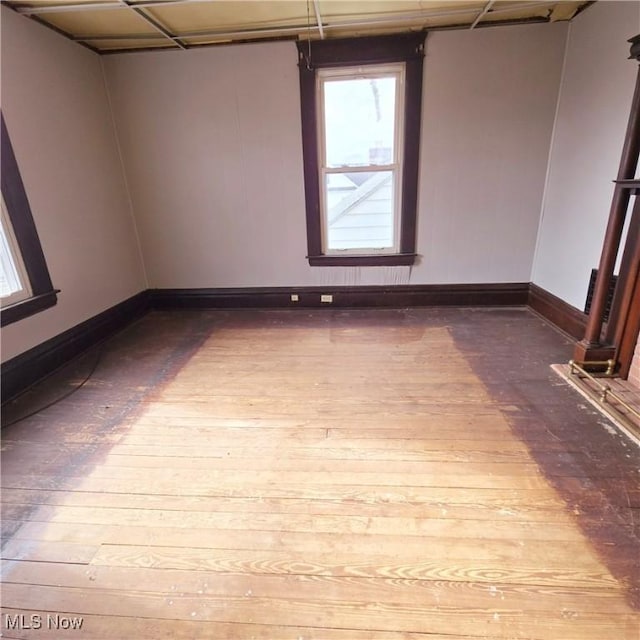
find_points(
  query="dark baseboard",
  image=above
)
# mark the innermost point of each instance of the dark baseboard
(21, 372)
(557, 311)
(512, 294)
(25, 369)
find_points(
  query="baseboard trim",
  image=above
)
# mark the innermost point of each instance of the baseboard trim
(510, 294)
(560, 313)
(21, 372)
(25, 369)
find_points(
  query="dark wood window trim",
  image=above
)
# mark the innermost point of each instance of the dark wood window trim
(43, 295)
(407, 48)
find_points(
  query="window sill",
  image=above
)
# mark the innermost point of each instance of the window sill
(28, 307)
(351, 260)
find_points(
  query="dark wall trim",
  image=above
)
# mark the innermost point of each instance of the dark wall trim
(512, 294)
(344, 52)
(43, 294)
(391, 259)
(19, 211)
(21, 372)
(557, 311)
(28, 307)
(27, 368)
(368, 50)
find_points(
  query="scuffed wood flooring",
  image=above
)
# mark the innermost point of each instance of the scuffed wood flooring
(369, 474)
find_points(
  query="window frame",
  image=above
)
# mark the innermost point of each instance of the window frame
(17, 263)
(394, 70)
(405, 48)
(43, 295)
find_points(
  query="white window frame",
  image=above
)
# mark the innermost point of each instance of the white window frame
(369, 71)
(12, 254)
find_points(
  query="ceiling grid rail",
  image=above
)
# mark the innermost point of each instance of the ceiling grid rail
(338, 24)
(154, 23)
(111, 36)
(61, 7)
(482, 14)
(142, 4)
(318, 18)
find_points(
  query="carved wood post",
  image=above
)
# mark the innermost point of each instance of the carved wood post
(591, 348)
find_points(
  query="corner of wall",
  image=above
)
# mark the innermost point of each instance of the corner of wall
(123, 170)
(543, 202)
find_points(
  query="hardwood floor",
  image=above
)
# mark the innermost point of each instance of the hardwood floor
(330, 474)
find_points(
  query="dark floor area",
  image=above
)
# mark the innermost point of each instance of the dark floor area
(593, 467)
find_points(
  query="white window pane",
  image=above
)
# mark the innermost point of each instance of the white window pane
(360, 210)
(14, 283)
(359, 121)
(9, 277)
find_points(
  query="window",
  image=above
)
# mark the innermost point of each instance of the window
(25, 285)
(14, 282)
(360, 105)
(359, 158)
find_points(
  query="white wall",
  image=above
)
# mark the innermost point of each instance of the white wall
(593, 109)
(489, 105)
(212, 146)
(54, 103)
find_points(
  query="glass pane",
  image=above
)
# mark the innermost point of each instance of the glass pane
(359, 209)
(359, 121)
(9, 278)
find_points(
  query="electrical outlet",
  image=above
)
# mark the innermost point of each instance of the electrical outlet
(326, 297)
(294, 297)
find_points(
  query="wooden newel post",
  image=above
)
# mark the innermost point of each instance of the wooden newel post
(591, 347)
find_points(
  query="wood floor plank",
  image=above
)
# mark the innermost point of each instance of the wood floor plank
(506, 511)
(365, 493)
(396, 448)
(233, 465)
(382, 495)
(445, 415)
(447, 594)
(368, 458)
(424, 527)
(273, 484)
(522, 572)
(332, 474)
(146, 628)
(317, 471)
(397, 547)
(371, 616)
(260, 409)
(39, 550)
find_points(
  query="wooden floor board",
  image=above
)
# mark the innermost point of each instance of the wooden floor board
(16, 504)
(314, 587)
(398, 547)
(349, 614)
(339, 475)
(141, 627)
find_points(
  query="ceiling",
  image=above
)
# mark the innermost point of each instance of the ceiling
(109, 26)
